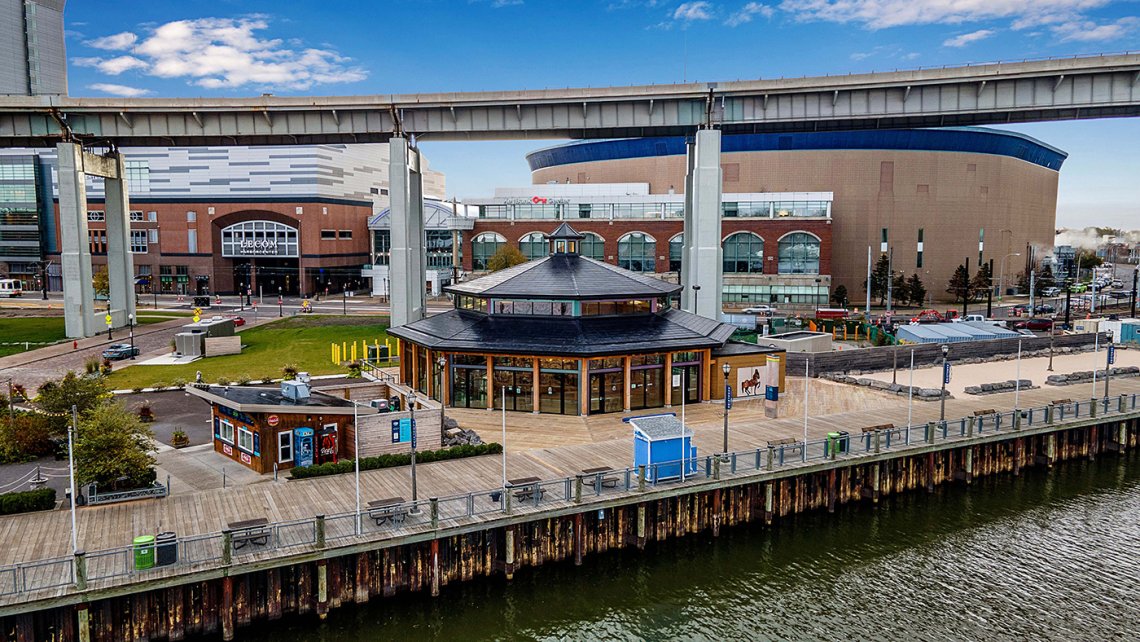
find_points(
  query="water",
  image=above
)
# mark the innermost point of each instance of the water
(1049, 556)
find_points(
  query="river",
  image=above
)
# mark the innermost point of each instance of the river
(1048, 556)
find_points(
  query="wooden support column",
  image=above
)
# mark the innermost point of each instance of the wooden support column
(227, 608)
(832, 490)
(1093, 434)
(1051, 449)
(876, 480)
(969, 465)
(625, 361)
(706, 375)
(768, 504)
(1017, 446)
(930, 472)
(583, 387)
(534, 388)
(83, 622)
(579, 539)
(273, 591)
(25, 628)
(669, 379)
(716, 512)
(1122, 437)
(493, 394)
(363, 575)
(322, 588)
(509, 553)
(435, 568)
(429, 380)
(641, 526)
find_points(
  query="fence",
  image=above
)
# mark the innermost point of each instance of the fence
(435, 512)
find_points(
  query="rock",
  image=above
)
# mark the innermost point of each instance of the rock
(864, 381)
(973, 390)
(986, 387)
(930, 392)
(880, 385)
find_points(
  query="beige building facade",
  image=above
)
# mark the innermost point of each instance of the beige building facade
(937, 198)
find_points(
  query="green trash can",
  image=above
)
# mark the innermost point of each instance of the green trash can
(144, 552)
(833, 444)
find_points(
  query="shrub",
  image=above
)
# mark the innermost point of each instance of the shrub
(267, 380)
(146, 413)
(223, 381)
(178, 383)
(25, 437)
(396, 459)
(354, 370)
(243, 379)
(91, 365)
(289, 370)
(19, 393)
(137, 389)
(26, 501)
(178, 438)
(158, 386)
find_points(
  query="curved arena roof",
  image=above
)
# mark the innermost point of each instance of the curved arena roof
(976, 140)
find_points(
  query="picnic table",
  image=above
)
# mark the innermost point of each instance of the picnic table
(602, 474)
(249, 531)
(388, 509)
(524, 488)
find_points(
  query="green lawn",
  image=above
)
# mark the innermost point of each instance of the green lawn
(303, 341)
(32, 329)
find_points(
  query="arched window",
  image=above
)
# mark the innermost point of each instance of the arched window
(483, 247)
(636, 252)
(744, 254)
(799, 254)
(533, 246)
(676, 247)
(593, 246)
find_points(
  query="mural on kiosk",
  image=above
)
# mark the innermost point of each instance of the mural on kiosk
(753, 380)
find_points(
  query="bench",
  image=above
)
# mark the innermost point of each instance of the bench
(249, 531)
(591, 476)
(879, 427)
(388, 509)
(524, 488)
(790, 443)
(1062, 402)
(988, 411)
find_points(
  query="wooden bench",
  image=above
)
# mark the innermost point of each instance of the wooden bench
(883, 427)
(987, 411)
(249, 531)
(1062, 402)
(524, 488)
(789, 443)
(388, 509)
(591, 476)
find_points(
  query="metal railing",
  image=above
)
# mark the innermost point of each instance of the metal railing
(206, 550)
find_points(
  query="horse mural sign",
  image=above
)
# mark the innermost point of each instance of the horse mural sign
(751, 380)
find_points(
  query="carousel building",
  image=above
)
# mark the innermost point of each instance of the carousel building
(567, 334)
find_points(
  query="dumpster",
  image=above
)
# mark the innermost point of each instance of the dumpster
(166, 549)
(144, 552)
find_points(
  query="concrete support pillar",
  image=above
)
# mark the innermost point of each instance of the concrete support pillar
(120, 261)
(768, 503)
(1122, 437)
(408, 270)
(701, 251)
(75, 256)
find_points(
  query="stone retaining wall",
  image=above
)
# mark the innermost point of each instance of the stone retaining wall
(1000, 386)
(1086, 376)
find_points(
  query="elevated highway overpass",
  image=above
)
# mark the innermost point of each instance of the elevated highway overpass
(1041, 90)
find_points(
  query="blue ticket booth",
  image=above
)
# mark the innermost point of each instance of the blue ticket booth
(660, 443)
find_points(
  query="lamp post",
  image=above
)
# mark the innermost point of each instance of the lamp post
(280, 303)
(131, 323)
(1001, 273)
(1108, 360)
(442, 361)
(696, 293)
(1052, 333)
(942, 398)
(72, 434)
(412, 416)
(727, 400)
(356, 458)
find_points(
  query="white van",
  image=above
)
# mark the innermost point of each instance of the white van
(11, 287)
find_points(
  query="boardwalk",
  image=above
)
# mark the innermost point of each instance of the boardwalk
(46, 534)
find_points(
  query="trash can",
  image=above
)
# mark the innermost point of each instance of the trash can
(844, 441)
(166, 549)
(144, 552)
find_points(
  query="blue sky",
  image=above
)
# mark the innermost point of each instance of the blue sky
(249, 47)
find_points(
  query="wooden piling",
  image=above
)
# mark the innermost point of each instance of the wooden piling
(768, 503)
(227, 608)
(716, 516)
(322, 589)
(435, 568)
(641, 526)
(509, 552)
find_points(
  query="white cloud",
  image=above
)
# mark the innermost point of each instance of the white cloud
(1089, 31)
(224, 53)
(692, 11)
(119, 90)
(114, 42)
(748, 12)
(968, 38)
(498, 4)
(880, 14)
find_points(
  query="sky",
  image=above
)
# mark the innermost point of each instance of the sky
(227, 48)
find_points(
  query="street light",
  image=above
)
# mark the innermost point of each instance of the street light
(412, 416)
(1001, 273)
(1109, 358)
(442, 362)
(280, 303)
(131, 322)
(942, 398)
(696, 293)
(727, 400)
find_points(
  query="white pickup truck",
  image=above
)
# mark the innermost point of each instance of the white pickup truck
(979, 318)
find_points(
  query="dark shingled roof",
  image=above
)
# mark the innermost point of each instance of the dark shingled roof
(566, 276)
(458, 331)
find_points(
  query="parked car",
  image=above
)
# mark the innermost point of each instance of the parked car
(1038, 324)
(120, 351)
(1044, 308)
(927, 316)
(1078, 287)
(1117, 283)
(1051, 291)
(759, 309)
(238, 321)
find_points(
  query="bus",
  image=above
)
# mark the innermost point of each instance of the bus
(11, 287)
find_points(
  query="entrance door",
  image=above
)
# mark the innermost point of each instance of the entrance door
(519, 386)
(470, 388)
(558, 393)
(607, 392)
(684, 378)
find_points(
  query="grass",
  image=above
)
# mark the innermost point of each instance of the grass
(300, 340)
(43, 330)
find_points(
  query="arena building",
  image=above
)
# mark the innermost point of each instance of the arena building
(937, 197)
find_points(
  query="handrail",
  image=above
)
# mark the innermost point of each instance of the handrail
(316, 532)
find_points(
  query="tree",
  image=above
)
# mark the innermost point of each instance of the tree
(839, 296)
(879, 277)
(56, 399)
(899, 290)
(916, 289)
(982, 282)
(101, 281)
(113, 449)
(506, 256)
(1045, 278)
(1086, 260)
(960, 285)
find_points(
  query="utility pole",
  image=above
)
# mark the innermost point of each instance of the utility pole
(1132, 304)
(966, 293)
(890, 277)
(867, 310)
(990, 290)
